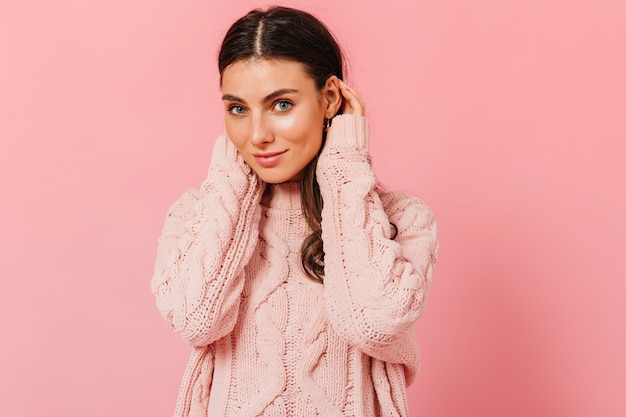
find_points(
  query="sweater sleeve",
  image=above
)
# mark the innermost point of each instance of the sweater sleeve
(375, 283)
(208, 238)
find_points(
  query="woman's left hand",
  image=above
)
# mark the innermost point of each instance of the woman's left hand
(352, 103)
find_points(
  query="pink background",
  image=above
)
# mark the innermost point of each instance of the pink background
(506, 116)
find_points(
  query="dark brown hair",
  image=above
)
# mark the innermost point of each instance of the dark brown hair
(291, 34)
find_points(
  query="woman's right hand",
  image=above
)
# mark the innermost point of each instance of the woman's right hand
(223, 149)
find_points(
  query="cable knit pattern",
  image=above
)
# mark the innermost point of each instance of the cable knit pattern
(268, 340)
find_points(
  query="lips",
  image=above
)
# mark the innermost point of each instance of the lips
(268, 160)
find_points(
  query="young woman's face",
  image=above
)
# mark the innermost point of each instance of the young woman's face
(274, 116)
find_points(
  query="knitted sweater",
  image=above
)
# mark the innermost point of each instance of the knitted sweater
(268, 341)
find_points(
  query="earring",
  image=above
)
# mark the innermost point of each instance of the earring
(327, 123)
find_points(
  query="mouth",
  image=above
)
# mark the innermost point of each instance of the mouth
(267, 155)
(268, 160)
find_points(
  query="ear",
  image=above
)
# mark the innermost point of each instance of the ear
(331, 96)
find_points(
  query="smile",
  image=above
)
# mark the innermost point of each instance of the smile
(268, 160)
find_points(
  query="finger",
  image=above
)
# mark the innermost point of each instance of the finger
(353, 103)
(351, 94)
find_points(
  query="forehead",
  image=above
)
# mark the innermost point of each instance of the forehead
(259, 77)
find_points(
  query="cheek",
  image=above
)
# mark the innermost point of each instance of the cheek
(298, 128)
(236, 133)
(288, 127)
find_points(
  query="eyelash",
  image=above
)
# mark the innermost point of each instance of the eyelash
(277, 103)
(231, 109)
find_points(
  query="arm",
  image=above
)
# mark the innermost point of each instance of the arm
(208, 238)
(375, 287)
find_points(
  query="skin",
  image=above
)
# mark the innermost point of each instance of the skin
(274, 114)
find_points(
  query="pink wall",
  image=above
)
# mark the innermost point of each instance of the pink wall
(507, 117)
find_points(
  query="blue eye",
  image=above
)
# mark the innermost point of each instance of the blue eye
(236, 110)
(282, 105)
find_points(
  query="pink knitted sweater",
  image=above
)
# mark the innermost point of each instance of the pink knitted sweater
(268, 341)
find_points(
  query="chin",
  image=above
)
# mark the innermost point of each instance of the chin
(278, 178)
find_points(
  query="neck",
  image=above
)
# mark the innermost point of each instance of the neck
(285, 195)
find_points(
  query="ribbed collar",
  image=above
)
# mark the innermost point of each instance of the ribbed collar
(284, 196)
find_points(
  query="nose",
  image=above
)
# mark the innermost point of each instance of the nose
(261, 132)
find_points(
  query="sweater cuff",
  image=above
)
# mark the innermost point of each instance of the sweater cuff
(349, 131)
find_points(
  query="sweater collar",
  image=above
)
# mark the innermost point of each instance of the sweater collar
(282, 196)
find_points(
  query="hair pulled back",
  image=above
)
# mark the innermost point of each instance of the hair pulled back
(295, 35)
(283, 33)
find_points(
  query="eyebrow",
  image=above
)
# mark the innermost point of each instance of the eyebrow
(271, 96)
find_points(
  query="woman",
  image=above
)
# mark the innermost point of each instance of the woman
(295, 278)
